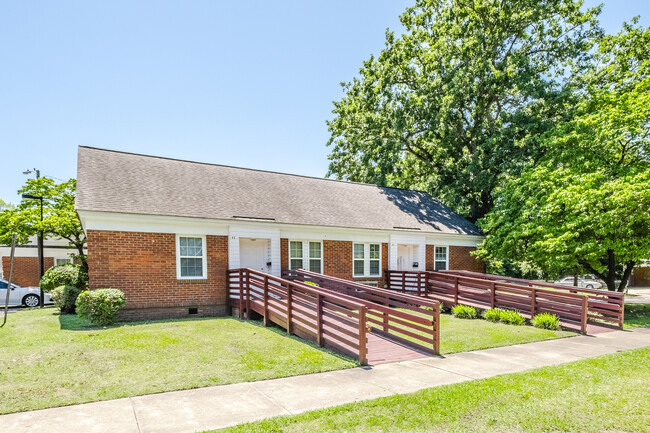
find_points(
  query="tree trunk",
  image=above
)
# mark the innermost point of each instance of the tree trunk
(575, 280)
(82, 256)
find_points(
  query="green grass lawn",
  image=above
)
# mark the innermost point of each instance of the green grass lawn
(637, 315)
(49, 360)
(605, 394)
(462, 335)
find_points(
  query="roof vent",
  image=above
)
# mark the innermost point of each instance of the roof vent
(406, 228)
(253, 218)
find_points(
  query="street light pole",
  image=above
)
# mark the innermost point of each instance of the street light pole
(41, 265)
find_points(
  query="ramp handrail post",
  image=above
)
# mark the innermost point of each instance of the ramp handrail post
(385, 321)
(436, 330)
(585, 306)
(403, 282)
(388, 274)
(319, 319)
(248, 294)
(533, 302)
(363, 338)
(455, 290)
(241, 293)
(492, 294)
(289, 308)
(266, 300)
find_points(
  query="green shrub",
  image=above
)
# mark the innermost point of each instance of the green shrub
(492, 315)
(546, 321)
(100, 306)
(64, 275)
(464, 311)
(64, 298)
(311, 283)
(512, 317)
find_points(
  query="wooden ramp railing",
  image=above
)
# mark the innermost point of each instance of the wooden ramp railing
(404, 318)
(451, 289)
(331, 320)
(604, 305)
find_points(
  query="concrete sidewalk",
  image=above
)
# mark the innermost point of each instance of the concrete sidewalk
(221, 406)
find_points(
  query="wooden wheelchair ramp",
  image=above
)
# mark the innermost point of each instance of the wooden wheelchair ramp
(347, 324)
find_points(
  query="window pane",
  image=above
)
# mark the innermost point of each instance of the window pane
(191, 267)
(441, 266)
(441, 253)
(314, 265)
(374, 267)
(295, 263)
(314, 250)
(374, 251)
(358, 267)
(191, 247)
(295, 249)
(358, 251)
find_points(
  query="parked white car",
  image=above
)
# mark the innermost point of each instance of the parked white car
(586, 281)
(27, 296)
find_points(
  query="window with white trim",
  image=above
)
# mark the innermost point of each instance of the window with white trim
(191, 262)
(441, 258)
(63, 261)
(366, 260)
(306, 255)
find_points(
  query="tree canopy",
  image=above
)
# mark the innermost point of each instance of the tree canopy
(461, 98)
(587, 202)
(59, 216)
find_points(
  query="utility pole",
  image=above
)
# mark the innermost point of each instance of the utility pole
(41, 259)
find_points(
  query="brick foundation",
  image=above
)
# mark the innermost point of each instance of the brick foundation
(143, 266)
(26, 270)
(461, 259)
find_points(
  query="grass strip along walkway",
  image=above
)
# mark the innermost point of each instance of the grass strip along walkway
(607, 393)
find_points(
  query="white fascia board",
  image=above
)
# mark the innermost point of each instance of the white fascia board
(95, 220)
(454, 240)
(151, 223)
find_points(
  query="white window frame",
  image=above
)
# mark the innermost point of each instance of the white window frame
(435, 260)
(305, 254)
(366, 260)
(204, 257)
(67, 261)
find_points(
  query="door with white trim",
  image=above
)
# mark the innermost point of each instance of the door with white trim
(254, 253)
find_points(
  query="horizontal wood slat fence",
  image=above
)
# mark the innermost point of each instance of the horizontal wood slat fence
(410, 320)
(572, 305)
(330, 320)
(604, 305)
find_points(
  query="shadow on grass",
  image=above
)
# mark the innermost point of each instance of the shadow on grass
(637, 315)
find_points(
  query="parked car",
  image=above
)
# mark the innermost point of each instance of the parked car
(586, 281)
(27, 296)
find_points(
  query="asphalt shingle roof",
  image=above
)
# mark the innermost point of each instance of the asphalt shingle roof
(114, 181)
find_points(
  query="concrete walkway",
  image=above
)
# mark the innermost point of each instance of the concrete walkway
(221, 406)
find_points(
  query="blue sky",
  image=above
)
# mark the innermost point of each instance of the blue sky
(240, 83)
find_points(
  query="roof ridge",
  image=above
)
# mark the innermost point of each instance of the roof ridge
(349, 182)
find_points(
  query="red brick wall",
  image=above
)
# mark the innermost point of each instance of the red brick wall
(143, 266)
(26, 272)
(284, 253)
(430, 257)
(640, 277)
(460, 259)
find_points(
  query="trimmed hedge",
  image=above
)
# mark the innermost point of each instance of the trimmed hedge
(65, 297)
(100, 306)
(546, 321)
(464, 311)
(64, 275)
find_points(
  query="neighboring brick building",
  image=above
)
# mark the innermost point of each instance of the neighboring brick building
(26, 269)
(165, 231)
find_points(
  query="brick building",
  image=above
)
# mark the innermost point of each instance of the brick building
(26, 269)
(165, 231)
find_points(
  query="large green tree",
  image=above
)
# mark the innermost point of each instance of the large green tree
(587, 202)
(461, 97)
(59, 216)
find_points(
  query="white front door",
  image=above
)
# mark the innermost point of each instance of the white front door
(254, 254)
(405, 257)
